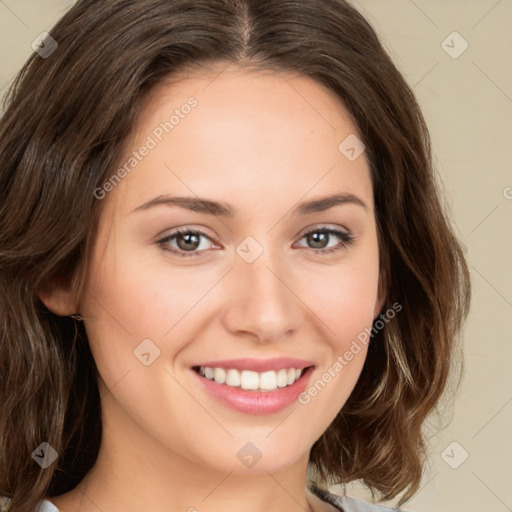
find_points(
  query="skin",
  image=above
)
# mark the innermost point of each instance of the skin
(262, 142)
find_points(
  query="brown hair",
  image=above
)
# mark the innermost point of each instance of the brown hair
(62, 132)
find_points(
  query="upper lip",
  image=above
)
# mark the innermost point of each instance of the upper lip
(258, 365)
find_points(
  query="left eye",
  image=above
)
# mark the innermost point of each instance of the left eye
(189, 241)
(318, 236)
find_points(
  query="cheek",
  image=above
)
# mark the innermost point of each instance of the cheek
(345, 302)
(344, 296)
(133, 299)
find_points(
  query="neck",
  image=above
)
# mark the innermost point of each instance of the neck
(135, 472)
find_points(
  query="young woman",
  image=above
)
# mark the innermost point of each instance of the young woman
(226, 269)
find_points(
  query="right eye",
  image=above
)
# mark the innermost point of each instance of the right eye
(188, 241)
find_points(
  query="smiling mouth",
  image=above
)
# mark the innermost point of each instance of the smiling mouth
(249, 380)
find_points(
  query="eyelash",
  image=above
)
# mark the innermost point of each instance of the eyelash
(346, 240)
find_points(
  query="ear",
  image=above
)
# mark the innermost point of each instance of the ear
(58, 297)
(381, 295)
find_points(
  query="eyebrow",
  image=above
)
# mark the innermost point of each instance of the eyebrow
(222, 209)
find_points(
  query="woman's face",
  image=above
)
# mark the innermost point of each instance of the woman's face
(253, 289)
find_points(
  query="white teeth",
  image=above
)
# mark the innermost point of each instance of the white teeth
(250, 380)
(219, 374)
(233, 378)
(268, 380)
(282, 378)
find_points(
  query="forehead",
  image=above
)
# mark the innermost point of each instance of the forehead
(247, 98)
(233, 131)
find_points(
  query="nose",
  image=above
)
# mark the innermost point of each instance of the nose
(261, 302)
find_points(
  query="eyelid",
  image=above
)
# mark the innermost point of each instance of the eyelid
(323, 227)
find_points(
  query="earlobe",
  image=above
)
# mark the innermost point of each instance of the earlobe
(58, 297)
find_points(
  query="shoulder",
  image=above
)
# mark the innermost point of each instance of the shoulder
(347, 504)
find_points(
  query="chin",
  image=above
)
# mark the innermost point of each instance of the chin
(254, 455)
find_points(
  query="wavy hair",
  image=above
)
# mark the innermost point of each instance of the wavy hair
(65, 121)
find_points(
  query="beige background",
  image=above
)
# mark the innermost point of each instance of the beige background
(467, 102)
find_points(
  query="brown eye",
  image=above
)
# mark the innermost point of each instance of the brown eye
(318, 240)
(187, 241)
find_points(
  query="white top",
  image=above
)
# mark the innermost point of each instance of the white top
(347, 504)
(46, 506)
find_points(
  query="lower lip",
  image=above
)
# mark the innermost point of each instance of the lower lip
(256, 402)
